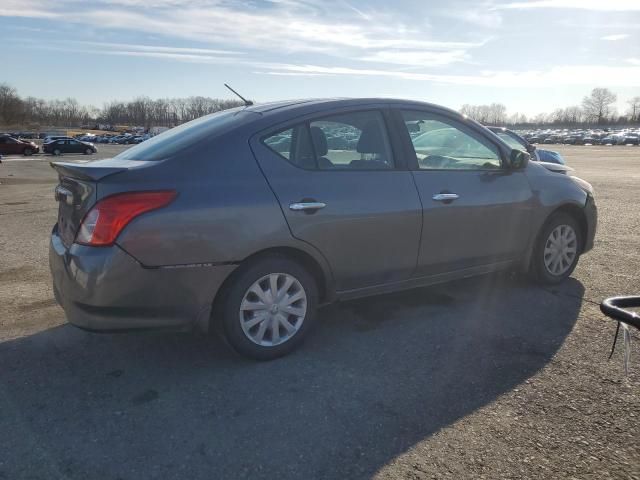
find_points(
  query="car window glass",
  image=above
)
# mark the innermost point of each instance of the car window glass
(351, 141)
(294, 144)
(441, 143)
(186, 135)
(340, 142)
(511, 141)
(281, 143)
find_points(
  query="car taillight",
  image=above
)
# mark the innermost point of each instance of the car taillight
(104, 222)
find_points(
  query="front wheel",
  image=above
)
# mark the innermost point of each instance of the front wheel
(28, 152)
(88, 151)
(269, 308)
(57, 152)
(557, 249)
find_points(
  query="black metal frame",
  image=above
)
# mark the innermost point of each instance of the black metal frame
(614, 307)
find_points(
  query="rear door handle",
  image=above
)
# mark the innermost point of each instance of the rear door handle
(306, 206)
(445, 197)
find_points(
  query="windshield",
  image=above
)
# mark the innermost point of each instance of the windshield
(511, 141)
(172, 141)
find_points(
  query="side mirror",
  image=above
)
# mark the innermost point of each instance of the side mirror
(518, 159)
(531, 148)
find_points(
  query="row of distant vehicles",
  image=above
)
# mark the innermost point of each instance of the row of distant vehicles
(583, 137)
(55, 145)
(124, 139)
(11, 144)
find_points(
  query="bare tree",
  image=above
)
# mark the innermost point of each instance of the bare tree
(10, 104)
(598, 106)
(634, 109)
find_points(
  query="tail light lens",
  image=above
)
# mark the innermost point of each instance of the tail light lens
(104, 222)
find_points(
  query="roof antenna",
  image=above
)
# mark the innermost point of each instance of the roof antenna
(247, 103)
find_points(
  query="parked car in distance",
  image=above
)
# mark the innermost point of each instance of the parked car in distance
(70, 145)
(87, 138)
(53, 138)
(514, 140)
(130, 140)
(246, 220)
(630, 139)
(13, 146)
(550, 156)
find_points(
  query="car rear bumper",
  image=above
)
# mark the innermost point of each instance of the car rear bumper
(591, 214)
(106, 289)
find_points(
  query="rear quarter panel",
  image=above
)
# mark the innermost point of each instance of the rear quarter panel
(224, 212)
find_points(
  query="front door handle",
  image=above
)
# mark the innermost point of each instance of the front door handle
(445, 197)
(306, 206)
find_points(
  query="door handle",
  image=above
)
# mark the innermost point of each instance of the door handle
(445, 197)
(299, 206)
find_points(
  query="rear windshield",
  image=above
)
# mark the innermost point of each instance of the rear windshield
(172, 141)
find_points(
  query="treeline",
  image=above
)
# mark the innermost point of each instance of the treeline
(597, 109)
(31, 112)
(15, 110)
(164, 112)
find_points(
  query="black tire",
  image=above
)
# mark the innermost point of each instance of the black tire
(88, 151)
(538, 269)
(242, 280)
(28, 152)
(57, 152)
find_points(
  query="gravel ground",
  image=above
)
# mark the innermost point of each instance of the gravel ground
(485, 378)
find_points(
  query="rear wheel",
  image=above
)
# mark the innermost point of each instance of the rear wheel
(269, 308)
(557, 249)
(57, 152)
(28, 152)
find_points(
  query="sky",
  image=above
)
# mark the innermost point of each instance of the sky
(533, 56)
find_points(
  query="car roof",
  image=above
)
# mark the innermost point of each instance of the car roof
(314, 104)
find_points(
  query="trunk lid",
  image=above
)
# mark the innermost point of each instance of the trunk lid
(77, 190)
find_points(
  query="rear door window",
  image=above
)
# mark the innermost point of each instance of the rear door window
(351, 141)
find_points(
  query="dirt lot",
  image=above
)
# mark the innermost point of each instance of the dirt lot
(487, 378)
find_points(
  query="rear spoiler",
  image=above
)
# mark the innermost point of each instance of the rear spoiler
(95, 170)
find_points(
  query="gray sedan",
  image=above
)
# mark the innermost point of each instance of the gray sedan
(245, 221)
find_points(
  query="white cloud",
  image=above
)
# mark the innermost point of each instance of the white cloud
(600, 5)
(160, 48)
(481, 15)
(613, 38)
(332, 27)
(26, 9)
(554, 77)
(417, 58)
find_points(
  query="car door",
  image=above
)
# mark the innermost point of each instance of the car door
(75, 146)
(61, 145)
(476, 210)
(57, 145)
(10, 146)
(343, 190)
